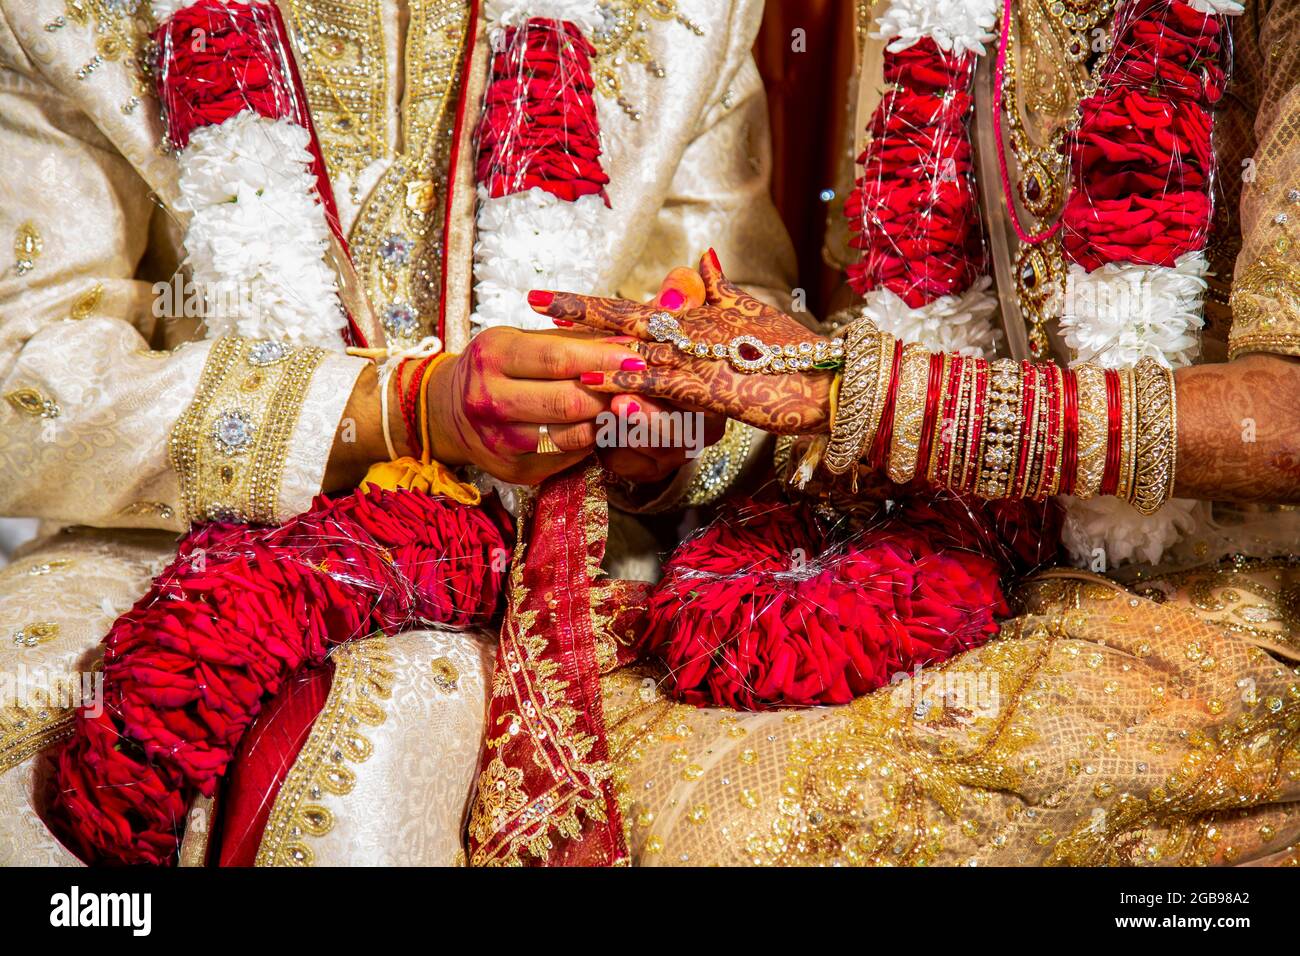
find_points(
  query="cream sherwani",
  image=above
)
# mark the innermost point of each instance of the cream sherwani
(104, 433)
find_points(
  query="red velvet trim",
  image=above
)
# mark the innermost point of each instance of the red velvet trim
(264, 760)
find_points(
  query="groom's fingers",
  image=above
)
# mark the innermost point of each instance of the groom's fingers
(550, 402)
(611, 315)
(561, 357)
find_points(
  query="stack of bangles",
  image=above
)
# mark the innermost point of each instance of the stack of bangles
(1003, 429)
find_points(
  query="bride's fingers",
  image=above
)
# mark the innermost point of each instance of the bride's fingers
(717, 287)
(682, 289)
(677, 386)
(610, 315)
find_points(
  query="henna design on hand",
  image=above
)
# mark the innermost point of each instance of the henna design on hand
(782, 403)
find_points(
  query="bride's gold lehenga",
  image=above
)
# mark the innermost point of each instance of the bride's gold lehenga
(1152, 718)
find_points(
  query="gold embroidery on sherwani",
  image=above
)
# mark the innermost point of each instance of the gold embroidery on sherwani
(396, 239)
(28, 731)
(28, 246)
(1266, 305)
(229, 446)
(31, 402)
(620, 39)
(363, 680)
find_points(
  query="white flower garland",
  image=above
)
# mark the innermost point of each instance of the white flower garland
(1115, 316)
(584, 14)
(257, 238)
(963, 26)
(962, 323)
(1118, 314)
(533, 239)
(258, 229)
(952, 323)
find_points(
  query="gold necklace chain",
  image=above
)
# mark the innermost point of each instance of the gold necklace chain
(1042, 186)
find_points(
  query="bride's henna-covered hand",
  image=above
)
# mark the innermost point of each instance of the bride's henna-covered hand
(783, 403)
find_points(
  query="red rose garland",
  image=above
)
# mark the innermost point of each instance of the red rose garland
(914, 209)
(1142, 159)
(541, 184)
(539, 126)
(760, 610)
(239, 611)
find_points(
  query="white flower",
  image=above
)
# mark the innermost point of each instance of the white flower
(584, 14)
(963, 26)
(952, 323)
(1104, 533)
(1229, 8)
(162, 9)
(248, 151)
(533, 240)
(1122, 312)
(257, 237)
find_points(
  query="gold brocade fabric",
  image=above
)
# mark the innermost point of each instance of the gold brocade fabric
(1158, 724)
(1100, 728)
(1266, 285)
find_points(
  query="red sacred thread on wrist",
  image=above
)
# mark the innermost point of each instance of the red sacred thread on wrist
(403, 399)
(412, 419)
(931, 411)
(1114, 434)
(1070, 453)
(885, 433)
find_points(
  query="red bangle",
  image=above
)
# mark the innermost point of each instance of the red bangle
(1070, 453)
(1114, 434)
(931, 412)
(885, 433)
(979, 402)
(1052, 451)
(948, 421)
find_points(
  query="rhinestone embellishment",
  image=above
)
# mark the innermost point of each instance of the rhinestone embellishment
(395, 250)
(233, 432)
(400, 320)
(747, 353)
(266, 352)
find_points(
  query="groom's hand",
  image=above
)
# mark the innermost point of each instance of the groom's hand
(486, 407)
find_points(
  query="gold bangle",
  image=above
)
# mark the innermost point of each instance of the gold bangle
(1037, 447)
(1091, 381)
(909, 412)
(1002, 421)
(1124, 488)
(1155, 438)
(959, 415)
(856, 397)
(887, 346)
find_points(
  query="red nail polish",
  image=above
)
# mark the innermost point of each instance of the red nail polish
(713, 258)
(633, 365)
(671, 299)
(563, 323)
(592, 378)
(540, 299)
(632, 408)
